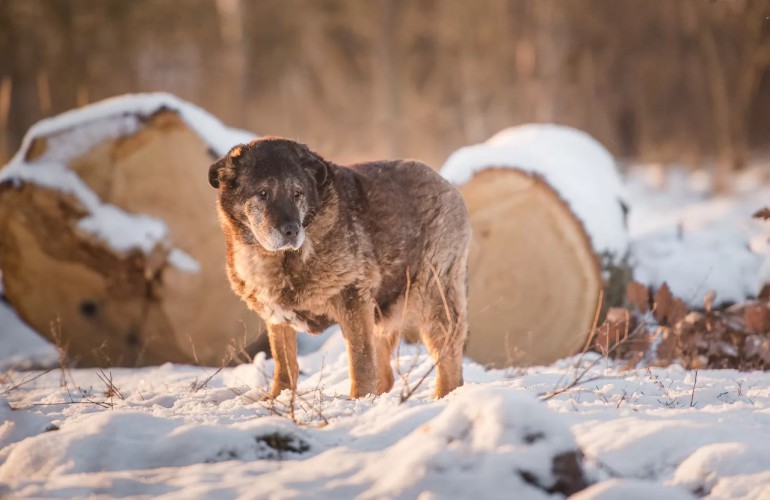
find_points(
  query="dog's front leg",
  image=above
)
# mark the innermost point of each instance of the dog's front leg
(283, 345)
(356, 317)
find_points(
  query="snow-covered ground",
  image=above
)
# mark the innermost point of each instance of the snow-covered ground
(190, 432)
(656, 433)
(696, 242)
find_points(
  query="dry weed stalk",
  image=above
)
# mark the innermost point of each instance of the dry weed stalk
(110, 390)
(692, 394)
(579, 377)
(25, 380)
(233, 352)
(297, 399)
(61, 349)
(81, 395)
(576, 379)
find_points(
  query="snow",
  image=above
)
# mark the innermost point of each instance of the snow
(481, 436)
(645, 433)
(120, 116)
(183, 261)
(20, 346)
(197, 432)
(73, 133)
(746, 464)
(578, 167)
(631, 489)
(763, 278)
(694, 241)
(18, 425)
(124, 231)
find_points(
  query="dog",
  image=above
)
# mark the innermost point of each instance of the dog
(378, 248)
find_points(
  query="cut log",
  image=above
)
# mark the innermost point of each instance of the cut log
(537, 273)
(111, 244)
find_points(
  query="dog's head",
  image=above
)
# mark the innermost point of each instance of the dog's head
(270, 189)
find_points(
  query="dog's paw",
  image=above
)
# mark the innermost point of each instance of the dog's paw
(274, 393)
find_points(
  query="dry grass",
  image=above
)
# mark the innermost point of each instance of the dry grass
(310, 402)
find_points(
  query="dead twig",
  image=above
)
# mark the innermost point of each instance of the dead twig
(233, 353)
(197, 387)
(25, 380)
(111, 390)
(692, 394)
(589, 339)
(103, 404)
(578, 379)
(296, 399)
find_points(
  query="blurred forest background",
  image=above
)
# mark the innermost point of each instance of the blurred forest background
(684, 81)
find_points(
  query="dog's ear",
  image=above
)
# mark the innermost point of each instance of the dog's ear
(214, 171)
(314, 165)
(223, 169)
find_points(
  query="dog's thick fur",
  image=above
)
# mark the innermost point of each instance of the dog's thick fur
(377, 247)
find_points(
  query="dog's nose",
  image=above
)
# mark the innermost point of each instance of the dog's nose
(290, 229)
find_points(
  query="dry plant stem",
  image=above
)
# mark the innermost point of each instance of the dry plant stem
(198, 387)
(102, 404)
(692, 394)
(579, 380)
(62, 351)
(288, 410)
(195, 353)
(589, 339)
(111, 390)
(26, 380)
(622, 398)
(225, 362)
(55, 327)
(578, 377)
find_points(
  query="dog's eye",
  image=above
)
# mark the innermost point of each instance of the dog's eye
(263, 194)
(298, 194)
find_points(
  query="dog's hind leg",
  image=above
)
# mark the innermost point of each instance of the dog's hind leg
(384, 342)
(444, 328)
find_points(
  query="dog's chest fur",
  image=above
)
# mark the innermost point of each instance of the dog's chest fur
(297, 289)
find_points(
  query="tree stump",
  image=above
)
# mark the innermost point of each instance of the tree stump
(111, 245)
(549, 242)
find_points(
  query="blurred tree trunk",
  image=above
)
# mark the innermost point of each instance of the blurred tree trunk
(727, 155)
(732, 83)
(660, 80)
(390, 94)
(756, 61)
(232, 58)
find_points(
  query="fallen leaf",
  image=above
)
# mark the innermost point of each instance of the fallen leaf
(762, 213)
(638, 296)
(662, 302)
(756, 318)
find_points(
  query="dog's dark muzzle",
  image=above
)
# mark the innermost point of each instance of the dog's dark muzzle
(291, 235)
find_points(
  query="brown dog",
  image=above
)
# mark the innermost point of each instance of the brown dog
(376, 247)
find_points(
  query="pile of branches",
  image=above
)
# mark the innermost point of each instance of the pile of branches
(660, 329)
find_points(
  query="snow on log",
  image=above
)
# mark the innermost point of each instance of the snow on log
(546, 206)
(111, 244)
